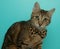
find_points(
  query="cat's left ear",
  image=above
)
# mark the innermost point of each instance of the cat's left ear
(51, 12)
(36, 7)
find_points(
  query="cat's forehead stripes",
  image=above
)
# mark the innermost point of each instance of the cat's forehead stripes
(42, 12)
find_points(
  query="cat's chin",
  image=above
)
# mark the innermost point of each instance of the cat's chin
(41, 27)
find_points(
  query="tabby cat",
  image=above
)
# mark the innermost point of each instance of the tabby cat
(28, 34)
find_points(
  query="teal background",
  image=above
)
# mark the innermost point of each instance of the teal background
(17, 10)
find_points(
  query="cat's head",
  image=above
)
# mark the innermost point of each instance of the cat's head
(41, 17)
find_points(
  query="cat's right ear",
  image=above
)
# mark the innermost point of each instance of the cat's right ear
(50, 12)
(36, 7)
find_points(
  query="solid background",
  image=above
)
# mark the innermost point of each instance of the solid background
(17, 10)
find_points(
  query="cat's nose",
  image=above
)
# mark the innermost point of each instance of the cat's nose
(40, 24)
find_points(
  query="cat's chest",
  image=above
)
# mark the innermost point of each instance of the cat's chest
(29, 28)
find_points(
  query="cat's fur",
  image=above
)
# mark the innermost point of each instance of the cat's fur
(28, 34)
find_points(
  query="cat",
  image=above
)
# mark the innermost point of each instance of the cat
(29, 34)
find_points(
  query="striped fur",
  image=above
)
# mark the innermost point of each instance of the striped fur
(28, 34)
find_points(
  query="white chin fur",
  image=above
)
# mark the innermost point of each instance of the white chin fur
(42, 26)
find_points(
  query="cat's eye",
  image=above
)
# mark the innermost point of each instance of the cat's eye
(45, 18)
(37, 17)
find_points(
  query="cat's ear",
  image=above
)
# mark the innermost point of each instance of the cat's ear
(36, 7)
(50, 12)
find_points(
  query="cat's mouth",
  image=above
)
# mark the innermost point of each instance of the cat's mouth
(41, 26)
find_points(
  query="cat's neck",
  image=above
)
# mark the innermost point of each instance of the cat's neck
(34, 25)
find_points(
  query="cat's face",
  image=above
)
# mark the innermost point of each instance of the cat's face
(41, 17)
